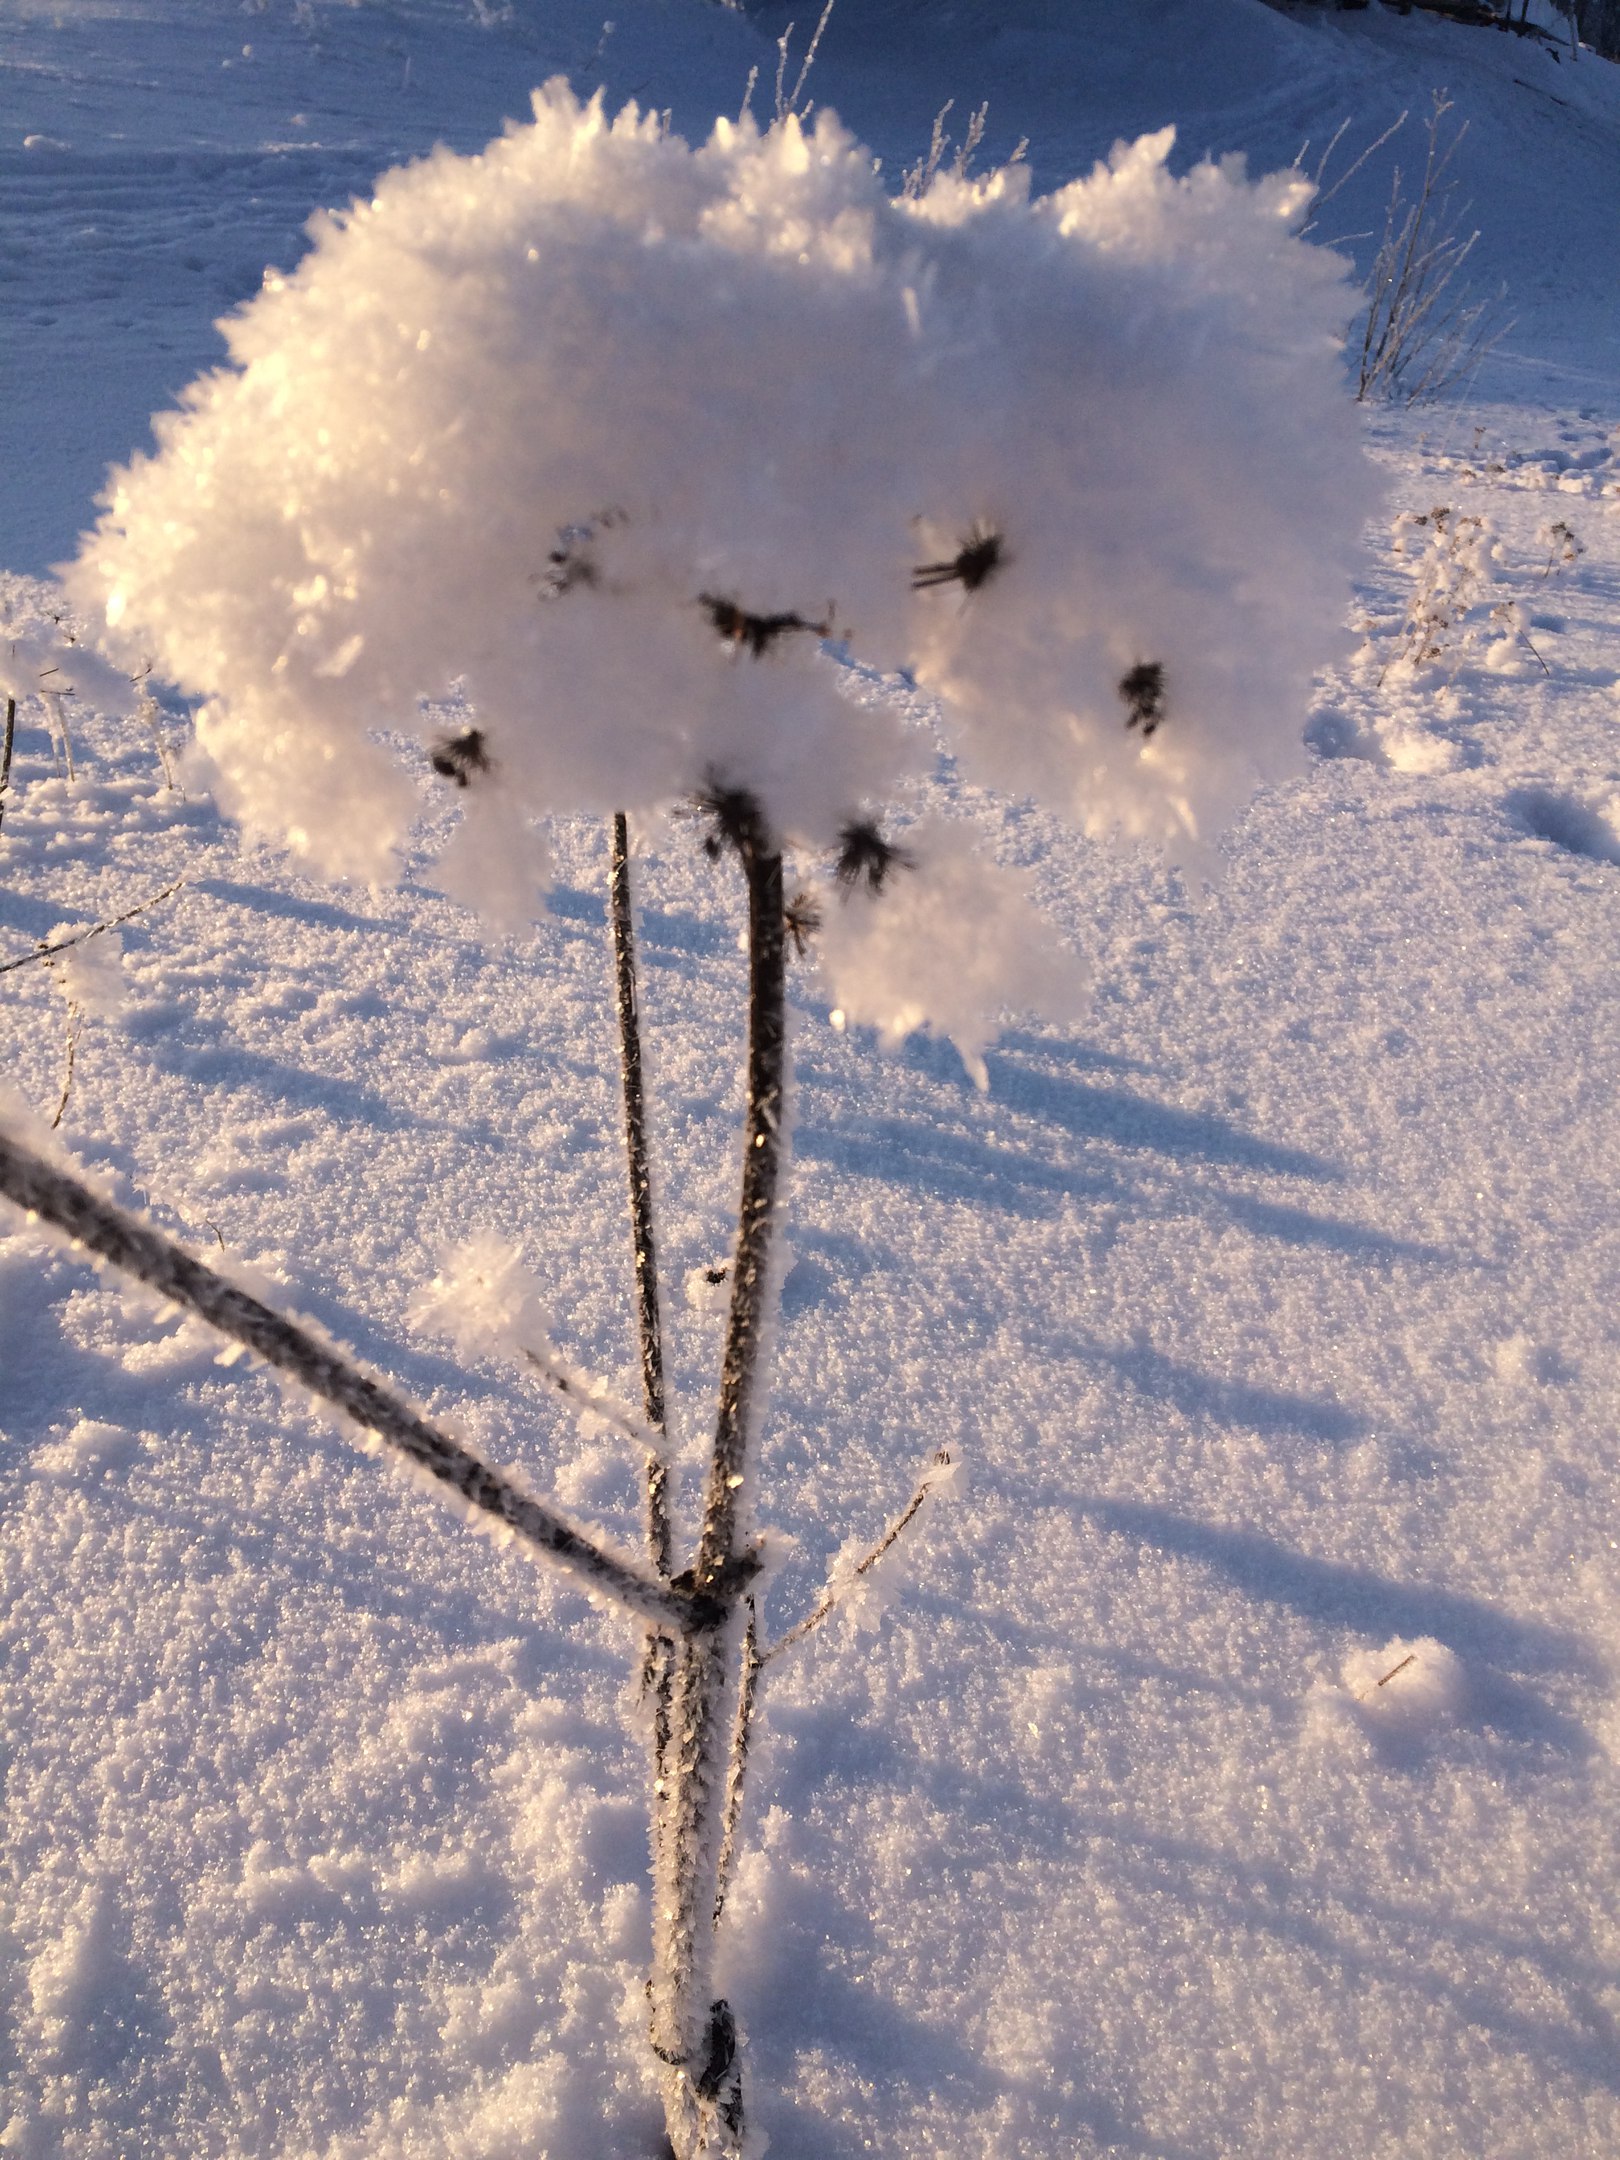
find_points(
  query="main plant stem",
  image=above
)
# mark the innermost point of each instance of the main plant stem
(658, 1663)
(649, 1327)
(693, 2033)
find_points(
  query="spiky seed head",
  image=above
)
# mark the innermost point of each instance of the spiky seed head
(1142, 689)
(865, 857)
(459, 757)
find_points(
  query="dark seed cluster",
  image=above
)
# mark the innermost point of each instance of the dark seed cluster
(570, 564)
(458, 757)
(758, 633)
(866, 858)
(801, 919)
(735, 821)
(1143, 692)
(975, 562)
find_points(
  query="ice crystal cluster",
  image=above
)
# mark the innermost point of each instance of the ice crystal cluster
(610, 439)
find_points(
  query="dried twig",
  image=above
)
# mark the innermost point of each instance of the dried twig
(75, 1028)
(833, 1594)
(135, 1248)
(56, 719)
(742, 1726)
(582, 1397)
(1422, 331)
(149, 713)
(786, 104)
(78, 937)
(5, 754)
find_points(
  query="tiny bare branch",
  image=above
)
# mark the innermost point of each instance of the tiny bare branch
(580, 1394)
(6, 744)
(737, 1765)
(75, 1029)
(832, 1596)
(78, 937)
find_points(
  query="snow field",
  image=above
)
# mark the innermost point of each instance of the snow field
(1272, 1304)
(1287, 1358)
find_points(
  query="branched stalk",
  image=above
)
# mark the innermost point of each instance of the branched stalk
(694, 2034)
(135, 1248)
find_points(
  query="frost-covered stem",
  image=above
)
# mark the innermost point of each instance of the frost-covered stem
(79, 937)
(693, 2034)
(137, 1249)
(648, 1323)
(658, 1660)
(56, 714)
(756, 1210)
(584, 1396)
(75, 1024)
(737, 1767)
(829, 1599)
(149, 713)
(5, 754)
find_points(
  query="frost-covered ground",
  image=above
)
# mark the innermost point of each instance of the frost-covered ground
(1273, 1307)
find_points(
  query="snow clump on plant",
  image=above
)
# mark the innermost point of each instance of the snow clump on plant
(607, 437)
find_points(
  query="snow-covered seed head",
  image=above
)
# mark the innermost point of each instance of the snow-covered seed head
(1127, 395)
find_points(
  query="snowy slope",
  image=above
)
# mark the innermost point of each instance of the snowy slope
(1273, 1308)
(157, 154)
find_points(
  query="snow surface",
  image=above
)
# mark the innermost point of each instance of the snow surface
(1272, 1306)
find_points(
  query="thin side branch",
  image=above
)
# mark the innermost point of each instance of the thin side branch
(56, 720)
(75, 1028)
(135, 1248)
(577, 1393)
(742, 1726)
(832, 1596)
(44, 952)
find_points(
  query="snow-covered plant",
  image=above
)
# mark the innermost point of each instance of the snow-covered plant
(1564, 550)
(50, 668)
(1424, 328)
(624, 442)
(1453, 556)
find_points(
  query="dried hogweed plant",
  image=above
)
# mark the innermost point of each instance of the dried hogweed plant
(325, 541)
